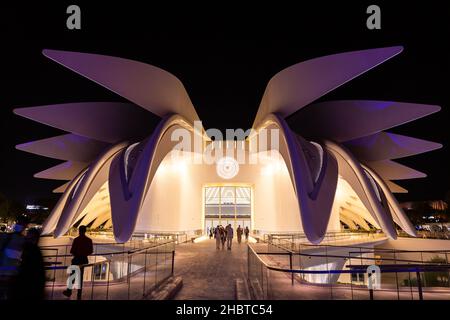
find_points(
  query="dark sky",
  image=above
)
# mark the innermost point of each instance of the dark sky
(224, 54)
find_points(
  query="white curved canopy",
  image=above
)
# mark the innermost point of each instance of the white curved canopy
(314, 196)
(395, 188)
(104, 121)
(95, 178)
(51, 222)
(297, 86)
(127, 191)
(152, 88)
(64, 171)
(111, 177)
(346, 120)
(356, 218)
(385, 145)
(351, 170)
(397, 212)
(390, 170)
(65, 147)
(61, 188)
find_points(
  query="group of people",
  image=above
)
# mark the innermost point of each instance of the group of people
(226, 234)
(22, 273)
(22, 270)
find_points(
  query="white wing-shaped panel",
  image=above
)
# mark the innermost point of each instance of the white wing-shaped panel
(150, 87)
(296, 86)
(395, 188)
(64, 171)
(314, 185)
(65, 147)
(351, 170)
(390, 170)
(130, 178)
(103, 121)
(346, 120)
(397, 212)
(95, 177)
(51, 222)
(61, 188)
(384, 146)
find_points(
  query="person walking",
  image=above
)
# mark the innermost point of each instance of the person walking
(223, 236)
(217, 236)
(30, 282)
(211, 232)
(246, 233)
(11, 250)
(229, 234)
(239, 232)
(81, 248)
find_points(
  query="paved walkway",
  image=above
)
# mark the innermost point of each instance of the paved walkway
(209, 273)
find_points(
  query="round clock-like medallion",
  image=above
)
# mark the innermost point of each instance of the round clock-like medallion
(227, 167)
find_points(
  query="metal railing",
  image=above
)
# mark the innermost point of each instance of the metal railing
(427, 234)
(114, 275)
(295, 241)
(178, 237)
(340, 272)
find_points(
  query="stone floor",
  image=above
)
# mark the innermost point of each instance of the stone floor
(209, 273)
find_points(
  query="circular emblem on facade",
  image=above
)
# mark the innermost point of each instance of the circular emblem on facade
(227, 167)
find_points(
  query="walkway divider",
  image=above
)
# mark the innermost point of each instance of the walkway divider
(279, 273)
(127, 274)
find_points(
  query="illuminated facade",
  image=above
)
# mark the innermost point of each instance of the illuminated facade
(332, 164)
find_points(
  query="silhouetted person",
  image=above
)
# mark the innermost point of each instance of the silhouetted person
(246, 233)
(30, 281)
(211, 232)
(229, 235)
(81, 248)
(11, 249)
(217, 236)
(239, 232)
(223, 236)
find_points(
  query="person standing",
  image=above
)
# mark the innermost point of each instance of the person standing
(217, 236)
(239, 232)
(246, 233)
(230, 234)
(81, 248)
(223, 236)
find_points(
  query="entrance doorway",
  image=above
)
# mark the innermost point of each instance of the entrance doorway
(230, 204)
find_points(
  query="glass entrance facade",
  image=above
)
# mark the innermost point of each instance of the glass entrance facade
(228, 204)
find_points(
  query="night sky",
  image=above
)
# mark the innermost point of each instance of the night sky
(224, 54)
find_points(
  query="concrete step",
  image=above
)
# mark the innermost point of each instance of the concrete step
(242, 290)
(256, 290)
(167, 290)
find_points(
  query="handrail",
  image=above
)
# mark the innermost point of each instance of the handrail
(337, 256)
(412, 268)
(264, 283)
(130, 253)
(356, 247)
(109, 253)
(393, 251)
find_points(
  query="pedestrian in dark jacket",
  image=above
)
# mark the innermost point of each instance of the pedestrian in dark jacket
(81, 248)
(30, 281)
